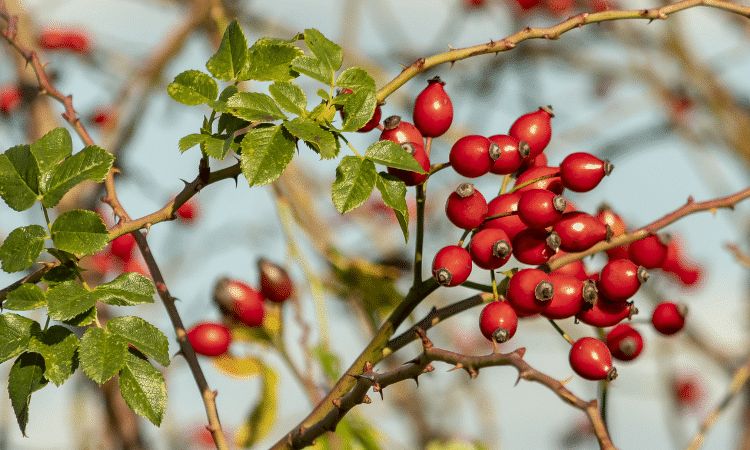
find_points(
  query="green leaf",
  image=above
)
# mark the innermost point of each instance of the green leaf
(59, 274)
(143, 388)
(392, 155)
(81, 320)
(355, 178)
(127, 289)
(356, 78)
(254, 107)
(359, 108)
(58, 346)
(22, 247)
(50, 150)
(262, 417)
(289, 96)
(313, 68)
(25, 297)
(193, 87)
(393, 192)
(102, 354)
(270, 60)
(68, 299)
(25, 378)
(15, 332)
(227, 63)
(191, 140)
(319, 139)
(148, 339)
(19, 178)
(266, 151)
(328, 52)
(229, 124)
(212, 146)
(242, 367)
(91, 163)
(79, 232)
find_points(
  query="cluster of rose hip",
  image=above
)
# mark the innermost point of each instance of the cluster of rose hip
(533, 222)
(242, 304)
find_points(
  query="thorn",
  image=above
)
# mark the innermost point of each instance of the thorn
(416, 379)
(518, 379)
(428, 368)
(690, 199)
(473, 373)
(520, 352)
(451, 48)
(456, 367)
(302, 429)
(376, 387)
(411, 361)
(184, 181)
(566, 380)
(426, 343)
(367, 367)
(366, 399)
(336, 402)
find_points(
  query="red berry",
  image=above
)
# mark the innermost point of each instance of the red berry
(605, 314)
(527, 4)
(416, 149)
(625, 342)
(473, 3)
(103, 117)
(688, 390)
(535, 246)
(188, 211)
(570, 296)
(209, 339)
(473, 156)
(466, 207)
(60, 39)
(582, 172)
(620, 279)
(669, 317)
(608, 217)
(239, 300)
(399, 131)
(546, 178)
(451, 265)
(498, 321)
(530, 291)
(511, 155)
(591, 359)
(535, 129)
(10, 98)
(578, 231)
(678, 265)
(575, 269)
(505, 204)
(649, 252)
(490, 248)
(373, 122)
(122, 247)
(528, 163)
(540, 208)
(433, 110)
(275, 283)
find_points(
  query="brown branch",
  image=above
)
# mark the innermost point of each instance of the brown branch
(741, 257)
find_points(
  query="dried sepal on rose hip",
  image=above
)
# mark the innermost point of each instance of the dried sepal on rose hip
(433, 109)
(239, 300)
(451, 265)
(210, 339)
(511, 154)
(625, 342)
(490, 248)
(570, 296)
(530, 291)
(275, 283)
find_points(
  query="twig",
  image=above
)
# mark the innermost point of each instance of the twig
(33, 277)
(418, 245)
(741, 257)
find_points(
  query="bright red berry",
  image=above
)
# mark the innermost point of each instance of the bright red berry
(10, 98)
(400, 131)
(620, 279)
(527, 4)
(676, 263)
(240, 300)
(535, 128)
(605, 314)
(433, 110)
(103, 117)
(688, 390)
(669, 317)
(451, 265)
(466, 207)
(490, 248)
(498, 321)
(512, 153)
(416, 149)
(591, 359)
(275, 283)
(578, 231)
(60, 39)
(649, 252)
(582, 172)
(472, 156)
(570, 296)
(540, 208)
(122, 247)
(625, 342)
(210, 339)
(506, 205)
(535, 246)
(540, 178)
(135, 266)
(576, 268)
(530, 291)
(528, 163)
(188, 212)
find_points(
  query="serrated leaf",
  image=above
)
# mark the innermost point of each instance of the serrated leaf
(127, 289)
(50, 150)
(254, 107)
(313, 68)
(68, 299)
(58, 346)
(355, 78)
(25, 297)
(320, 139)
(148, 339)
(22, 247)
(393, 192)
(85, 318)
(266, 151)
(91, 163)
(231, 57)
(229, 124)
(101, 354)
(59, 274)
(328, 52)
(270, 60)
(359, 108)
(191, 140)
(392, 155)
(25, 378)
(143, 388)
(79, 232)
(238, 367)
(193, 87)
(64, 257)
(355, 178)
(15, 333)
(262, 417)
(289, 96)
(212, 146)
(19, 178)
